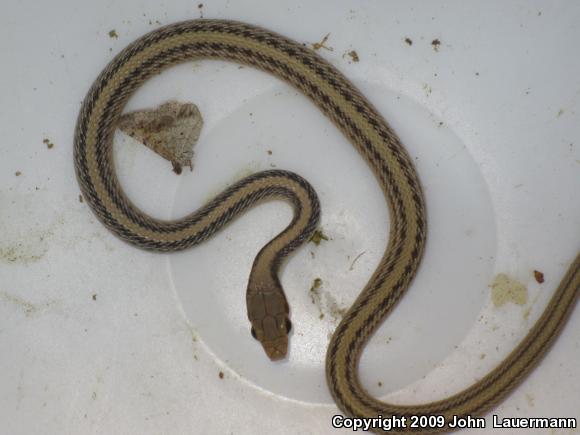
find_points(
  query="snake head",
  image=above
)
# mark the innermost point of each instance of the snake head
(268, 313)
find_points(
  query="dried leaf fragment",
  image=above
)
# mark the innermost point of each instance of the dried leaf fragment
(171, 130)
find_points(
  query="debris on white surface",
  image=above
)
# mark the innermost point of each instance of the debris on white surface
(171, 130)
(505, 289)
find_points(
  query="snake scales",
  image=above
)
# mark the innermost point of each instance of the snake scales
(267, 307)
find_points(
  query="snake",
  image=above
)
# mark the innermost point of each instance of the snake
(267, 306)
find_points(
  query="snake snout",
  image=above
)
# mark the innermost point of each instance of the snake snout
(276, 349)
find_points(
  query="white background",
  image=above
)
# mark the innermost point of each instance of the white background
(99, 337)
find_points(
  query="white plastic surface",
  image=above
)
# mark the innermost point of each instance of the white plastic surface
(99, 337)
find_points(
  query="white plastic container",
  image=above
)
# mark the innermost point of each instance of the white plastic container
(99, 337)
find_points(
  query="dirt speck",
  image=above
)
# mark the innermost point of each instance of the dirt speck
(322, 44)
(530, 400)
(113, 34)
(315, 296)
(94, 296)
(505, 289)
(539, 276)
(48, 143)
(408, 41)
(221, 374)
(25, 252)
(353, 55)
(318, 237)
(325, 302)
(436, 43)
(30, 309)
(336, 311)
(81, 200)
(177, 168)
(314, 290)
(18, 173)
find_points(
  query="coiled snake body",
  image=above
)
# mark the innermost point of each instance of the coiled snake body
(268, 310)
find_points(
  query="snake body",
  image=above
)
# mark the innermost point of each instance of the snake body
(268, 310)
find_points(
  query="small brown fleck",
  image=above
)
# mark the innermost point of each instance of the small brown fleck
(221, 374)
(409, 41)
(318, 237)
(321, 44)
(530, 399)
(18, 173)
(48, 143)
(81, 198)
(314, 291)
(436, 43)
(269, 152)
(380, 384)
(177, 168)
(354, 56)
(539, 276)
(316, 284)
(113, 34)
(94, 297)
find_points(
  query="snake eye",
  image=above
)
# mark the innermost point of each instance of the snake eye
(288, 326)
(253, 332)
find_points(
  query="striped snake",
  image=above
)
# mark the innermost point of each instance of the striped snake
(268, 309)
